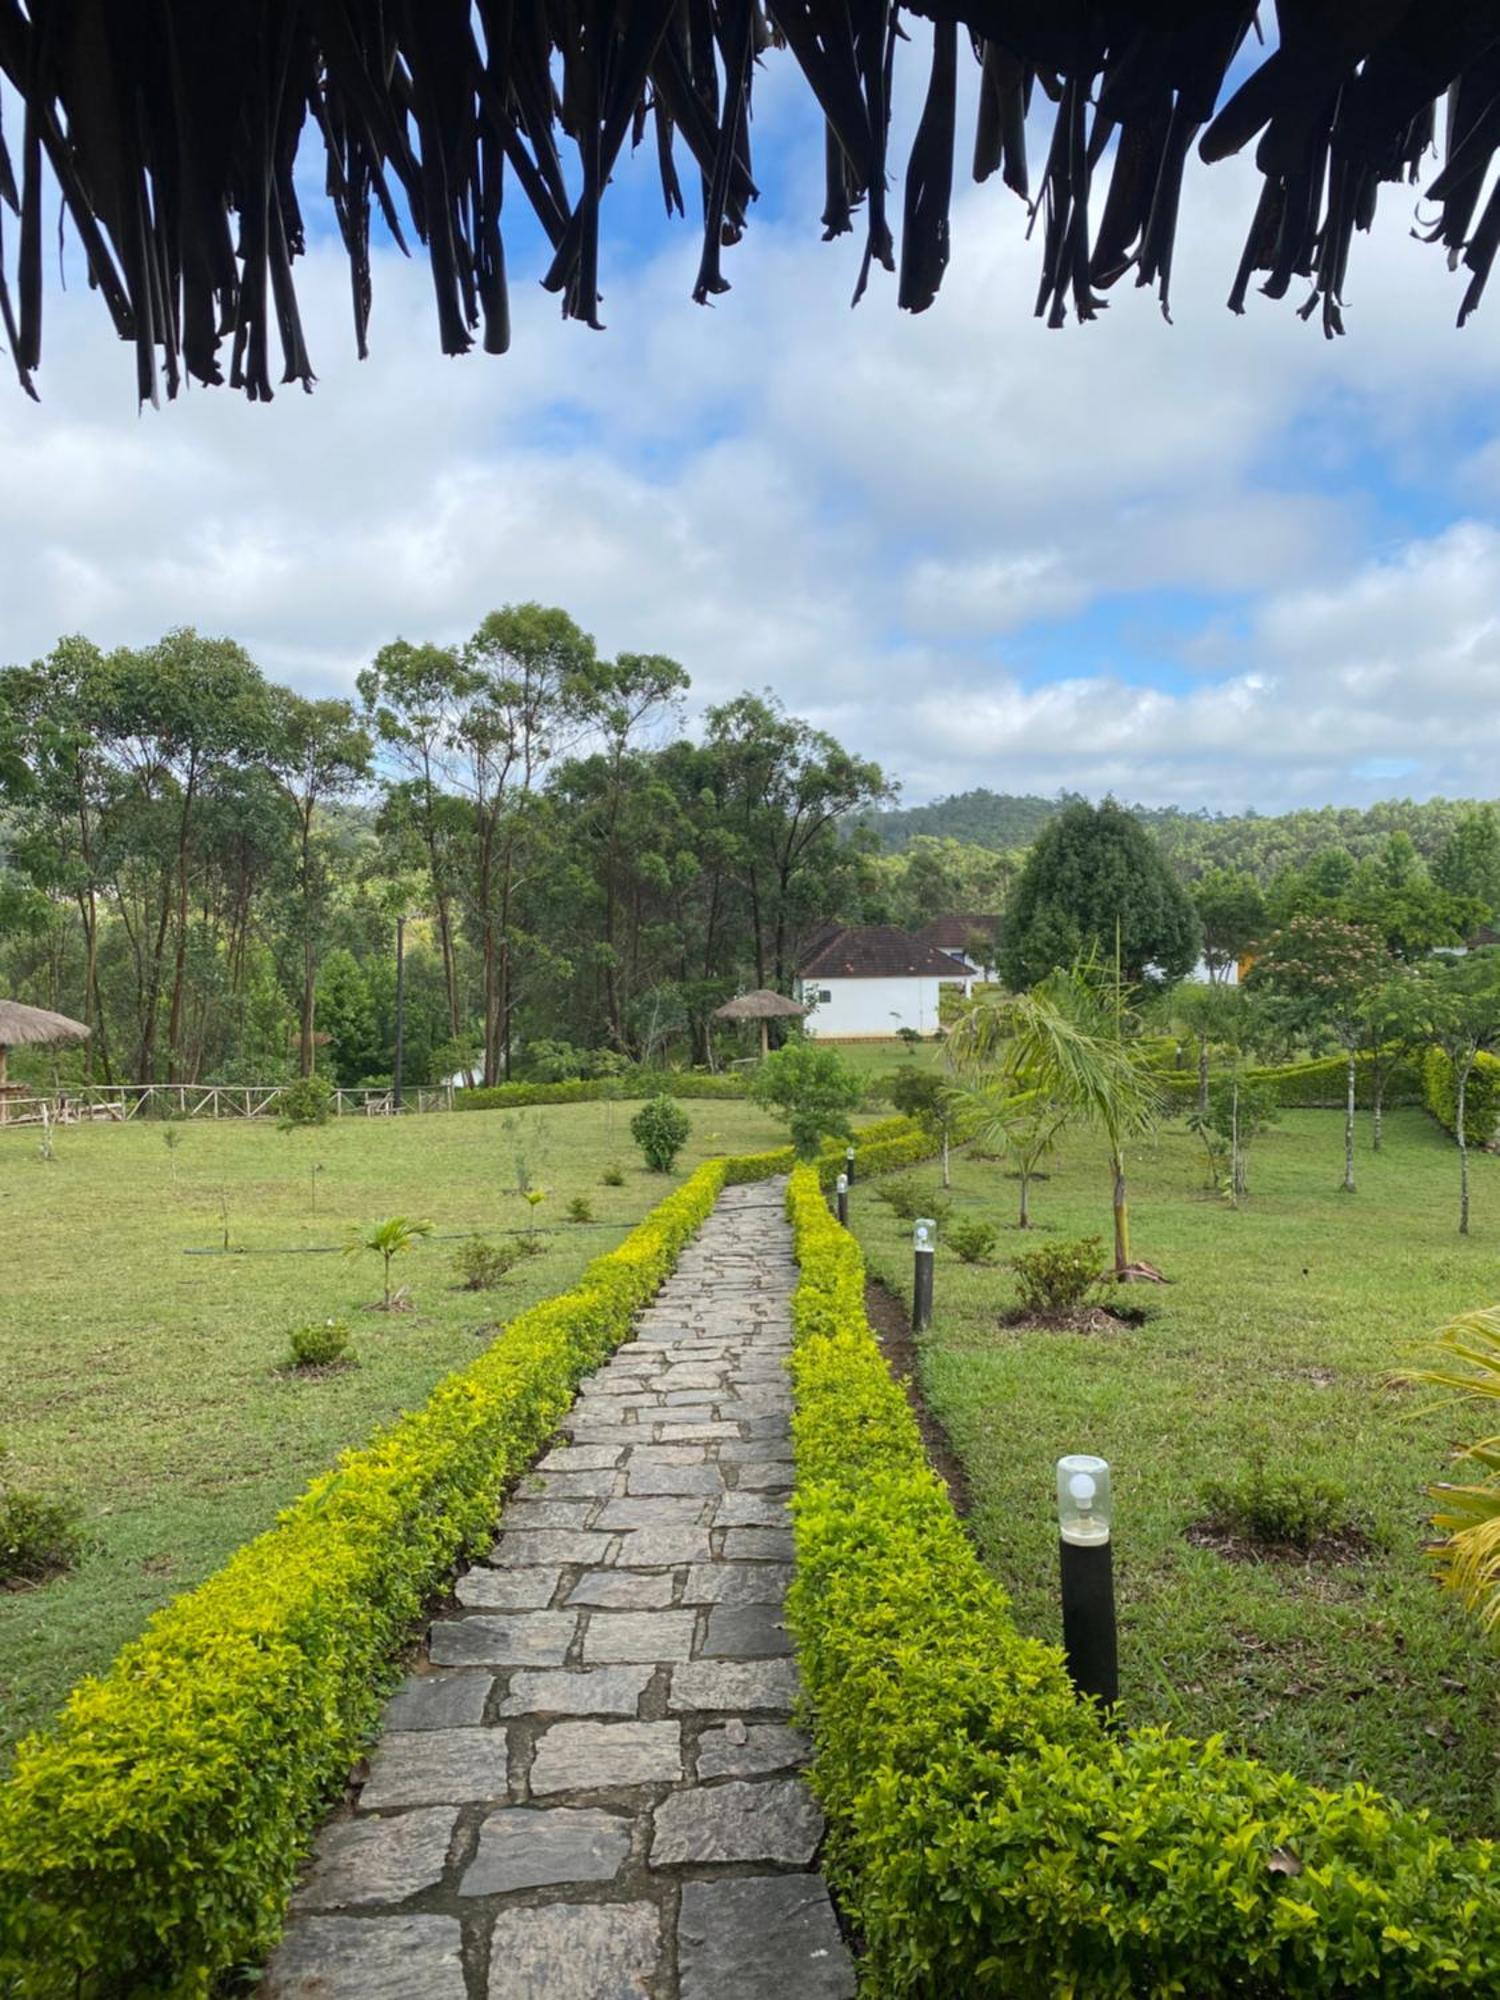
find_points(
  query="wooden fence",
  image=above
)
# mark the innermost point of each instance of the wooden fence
(119, 1103)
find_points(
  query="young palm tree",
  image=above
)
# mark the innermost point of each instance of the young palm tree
(391, 1239)
(1469, 1516)
(1064, 1040)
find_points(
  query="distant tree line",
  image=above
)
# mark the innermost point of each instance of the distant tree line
(208, 868)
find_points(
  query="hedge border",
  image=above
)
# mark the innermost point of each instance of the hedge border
(626, 1088)
(987, 1834)
(150, 1838)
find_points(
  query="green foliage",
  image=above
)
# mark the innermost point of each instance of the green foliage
(908, 1199)
(613, 1176)
(925, 1096)
(972, 1240)
(1468, 863)
(988, 1835)
(150, 1839)
(910, 1037)
(346, 1014)
(580, 1209)
(632, 1084)
(1481, 1096)
(813, 1089)
(1232, 911)
(1093, 870)
(319, 1343)
(1468, 1516)
(307, 1101)
(396, 1237)
(1057, 1277)
(41, 1534)
(1267, 1502)
(660, 1128)
(1317, 1085)
(480, 1265)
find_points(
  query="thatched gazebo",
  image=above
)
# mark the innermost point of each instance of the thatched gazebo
(26, 1027)
(177, 136)
(764, 1006)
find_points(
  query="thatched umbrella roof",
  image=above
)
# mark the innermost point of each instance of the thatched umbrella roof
(764, 1006)
(21, 1026)
(761, 1005)
(173, 131)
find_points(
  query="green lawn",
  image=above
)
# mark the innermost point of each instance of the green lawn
(144, 1378)
(1277, 1332)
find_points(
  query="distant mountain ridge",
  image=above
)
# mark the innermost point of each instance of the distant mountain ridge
(1193, 841)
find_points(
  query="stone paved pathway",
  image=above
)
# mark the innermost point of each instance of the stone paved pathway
(591, 1791)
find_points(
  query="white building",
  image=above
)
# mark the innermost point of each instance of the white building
(972, 940)
(870, 981)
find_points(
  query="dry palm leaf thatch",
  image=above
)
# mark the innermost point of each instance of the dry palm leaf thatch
(174, 131)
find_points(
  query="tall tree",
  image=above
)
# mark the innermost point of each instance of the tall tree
(1232, 910)
(1322, 974)
(1468, 863)
(1096, 878)
(318, 752)
(784, 789)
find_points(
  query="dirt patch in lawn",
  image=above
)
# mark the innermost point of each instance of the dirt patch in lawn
(1341, 1545)
(1086, 1319)
(892, 1325)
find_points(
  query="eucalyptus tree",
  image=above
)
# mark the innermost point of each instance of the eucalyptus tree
(784, 791)
(1397, 1018)
(317, 752)
(1063, 1041)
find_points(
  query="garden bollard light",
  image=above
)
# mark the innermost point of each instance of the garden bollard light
(841, 1189)
(924, 1245)
(1088, 1584)
(849, 1165)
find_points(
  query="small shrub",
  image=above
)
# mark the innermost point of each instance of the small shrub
(909, 1036)
(1058, 1277)
(479, 1265)
(41, 1534)
(908, 1199)
(1267, 1503)
(973, 1240)
(308, 1101)
(320, 1343)
(580, 1210)
(613, 1176)
(660, 1128)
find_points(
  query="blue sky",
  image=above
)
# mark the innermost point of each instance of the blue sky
(1221, 563)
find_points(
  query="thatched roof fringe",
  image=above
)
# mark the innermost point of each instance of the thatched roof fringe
(760, 1005)
(173, 130)
(21, 1026)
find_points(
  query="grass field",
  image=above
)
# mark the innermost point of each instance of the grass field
(1277, 1334)
(144, 1377)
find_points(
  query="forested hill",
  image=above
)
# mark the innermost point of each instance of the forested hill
(1193, 841)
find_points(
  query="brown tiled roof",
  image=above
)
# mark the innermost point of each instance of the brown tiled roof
(1485, 935)
(956, 933)
(877, 951)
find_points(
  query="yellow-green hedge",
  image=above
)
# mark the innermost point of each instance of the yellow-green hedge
(1481, 1096)
(987, 1836)
(149, 1840)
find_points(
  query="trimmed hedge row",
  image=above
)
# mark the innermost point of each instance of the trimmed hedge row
(149, 1840)
(1311, 1086)
(1481, 1096)
(590, 1090)
(986, 1834)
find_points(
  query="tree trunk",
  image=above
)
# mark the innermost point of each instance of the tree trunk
(1122, 1218)
(1348, 1187)
(1378, 1106)
(1238, 1179)
(1203, 1076)
(947, 1176)
(1463, 1155)
(1025, 1217)
(309, 1006)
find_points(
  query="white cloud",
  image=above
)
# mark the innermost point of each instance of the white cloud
(875, 514)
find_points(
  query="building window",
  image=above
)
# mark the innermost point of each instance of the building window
(825, 994)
